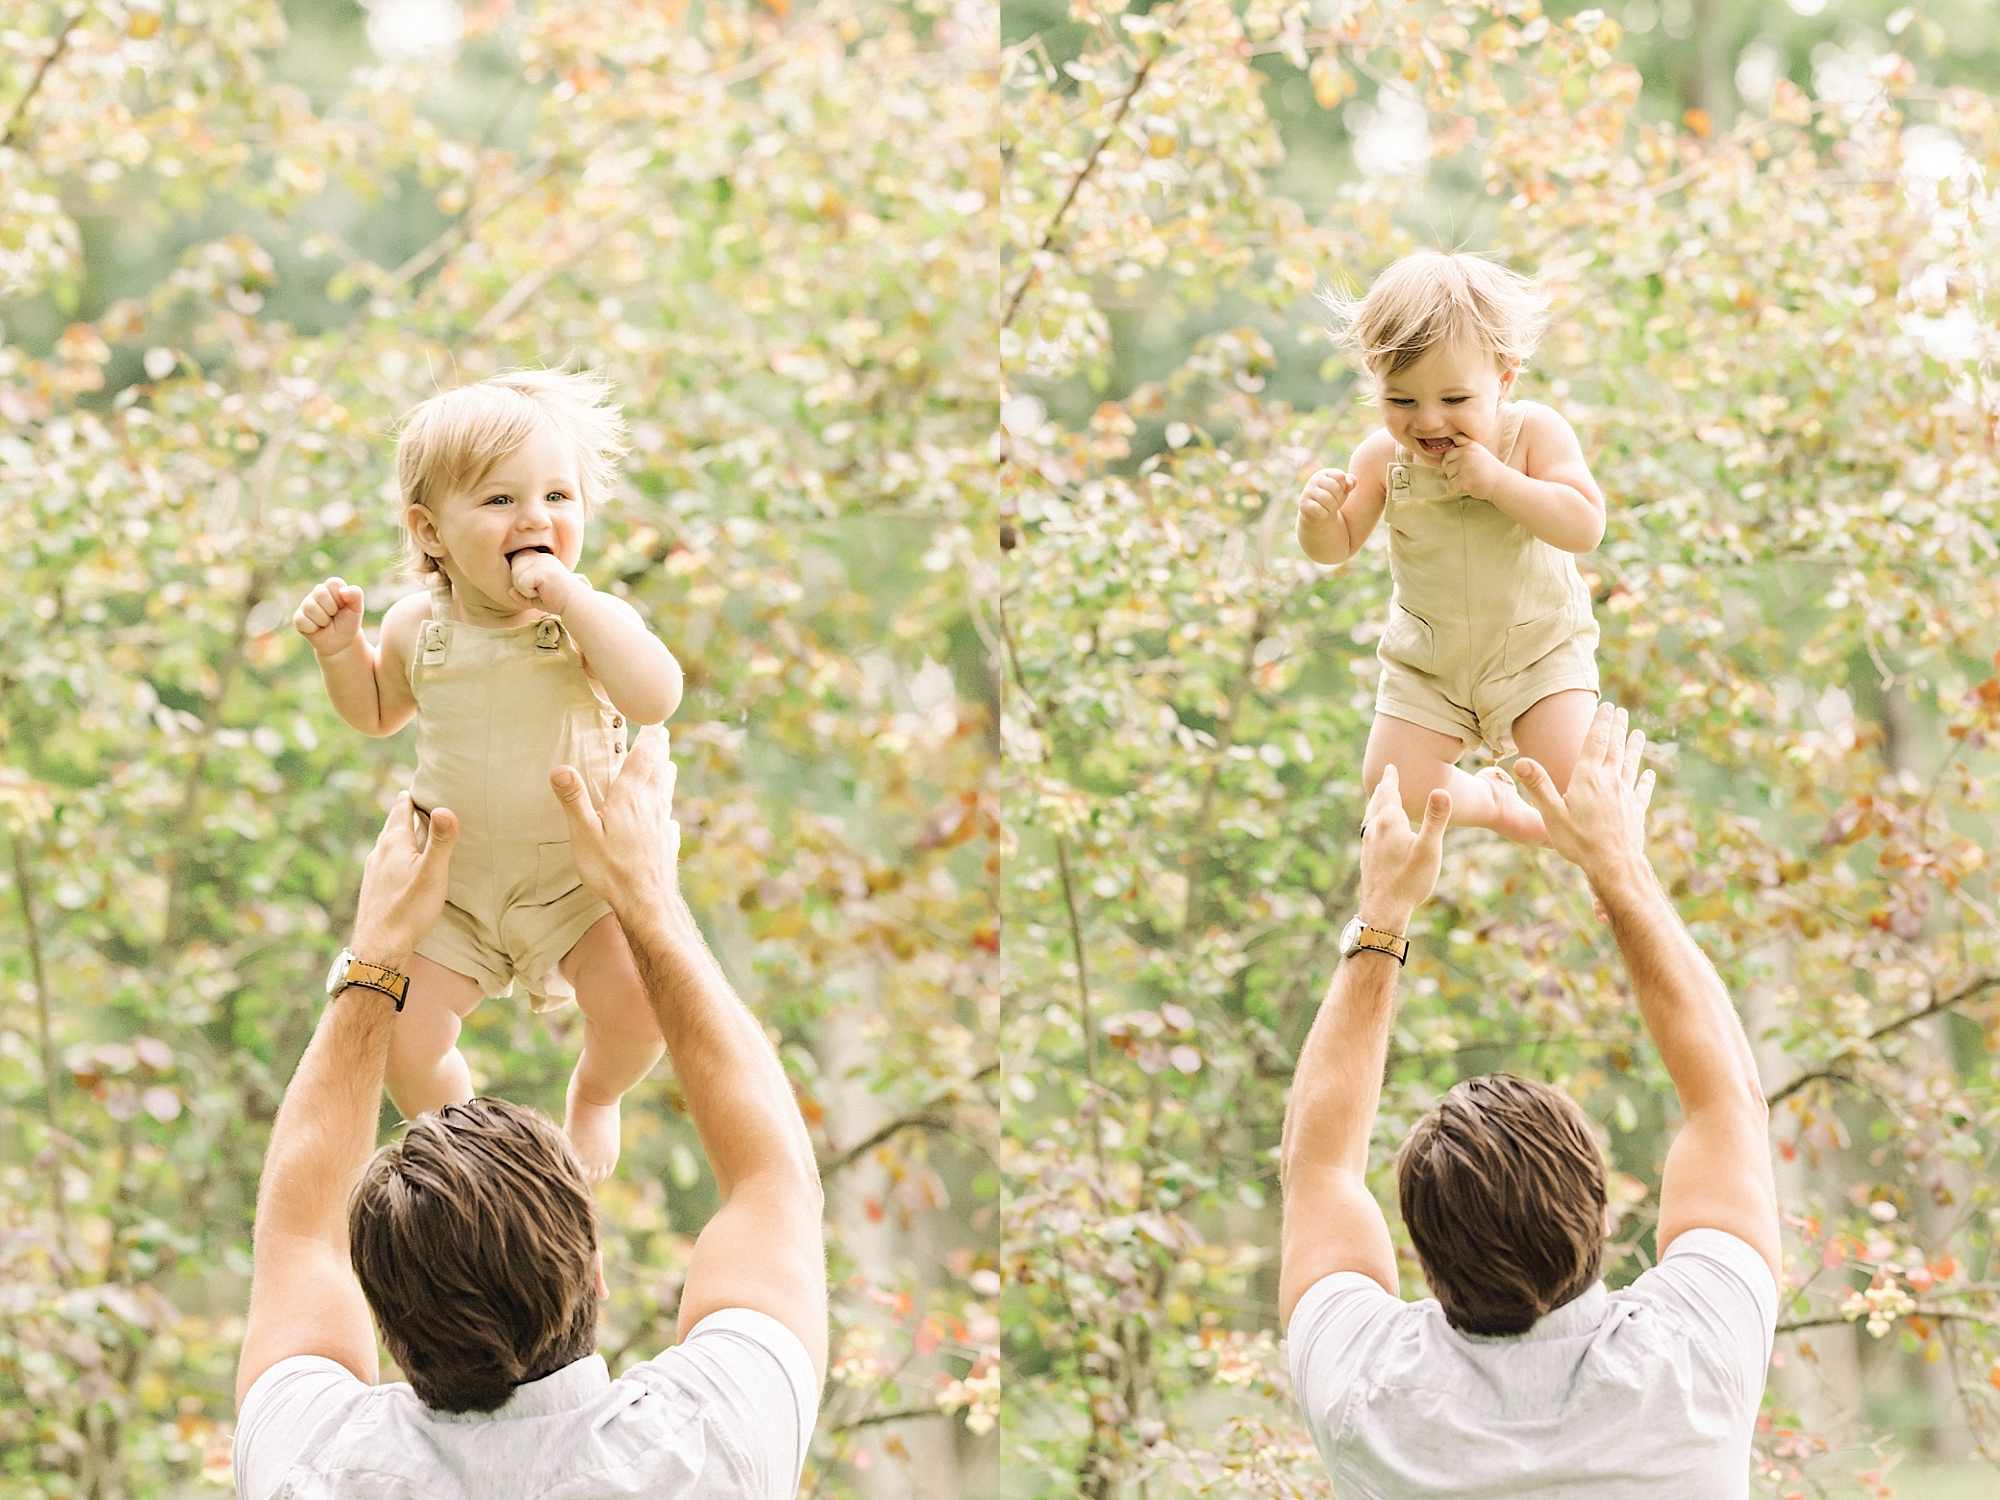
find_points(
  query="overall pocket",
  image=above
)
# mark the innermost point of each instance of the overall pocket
(555, 873)
(1408, 640)
(1528, 643)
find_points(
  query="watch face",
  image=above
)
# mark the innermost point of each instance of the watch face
(1350, 936)
(336, 975)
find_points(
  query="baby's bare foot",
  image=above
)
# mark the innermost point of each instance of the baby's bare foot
(593, 1133)
(1513, 818)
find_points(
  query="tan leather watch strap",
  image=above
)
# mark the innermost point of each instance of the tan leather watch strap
(390, 982)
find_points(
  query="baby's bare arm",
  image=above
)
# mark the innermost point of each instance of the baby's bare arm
(392, 659)
(1339, 509)
(330, 620)
(1556, 498)
(638, 672)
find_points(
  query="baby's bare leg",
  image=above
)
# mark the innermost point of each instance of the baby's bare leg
(1425, 761)
(621, 1042)
(426, 1069)
(1551, 733)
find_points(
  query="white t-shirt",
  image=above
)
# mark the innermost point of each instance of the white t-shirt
(724, 1415)
(1649, 1393)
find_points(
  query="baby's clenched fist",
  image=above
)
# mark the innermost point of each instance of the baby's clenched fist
(330, 617)
(1324, 494)
(541, 580)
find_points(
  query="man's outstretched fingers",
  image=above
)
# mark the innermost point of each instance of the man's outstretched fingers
(575, 798)
(1635, 755)
(1437, 816)
(1388, 796)
(443, 824)
(650, 756)
(1535, 782)
(1597, 740)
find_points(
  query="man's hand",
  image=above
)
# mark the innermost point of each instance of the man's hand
(541, 580)
(1473, 469)
(630, 852)
(1324, 494)
(330, 617)
(403, 884)
(1600, 825)
(1399, 866)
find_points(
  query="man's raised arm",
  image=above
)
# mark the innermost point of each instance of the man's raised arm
(1718, 1173)
(303, 1295)
(764, 1249)
(1332, 1222)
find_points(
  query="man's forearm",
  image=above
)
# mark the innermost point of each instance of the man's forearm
(325, 1130)
(1681, 997)
(1338, 1084)
(735, 1086)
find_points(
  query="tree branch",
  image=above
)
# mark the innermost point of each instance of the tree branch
(1076, 186)
(907, 1414)
(1958, 997)
(1069, 900)
(185, 819)
(924, 1119)
(24, 892)
(1199, 835)
(1923, 1310)
(20, 110)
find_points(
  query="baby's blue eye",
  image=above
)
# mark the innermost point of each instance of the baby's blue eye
(501, 500)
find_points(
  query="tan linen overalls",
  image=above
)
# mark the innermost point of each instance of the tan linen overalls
(497, 710)
(1485, 619)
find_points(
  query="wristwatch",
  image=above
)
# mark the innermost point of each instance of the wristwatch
(347, 969)
(1358, 935)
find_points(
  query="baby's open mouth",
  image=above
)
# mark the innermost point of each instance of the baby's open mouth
(1436, 445)
(519, 550)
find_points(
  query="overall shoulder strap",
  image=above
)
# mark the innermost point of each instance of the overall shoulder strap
(1511, 419)
(433, 636)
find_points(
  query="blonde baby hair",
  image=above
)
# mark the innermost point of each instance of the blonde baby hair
(453, 440)
(1436, 297)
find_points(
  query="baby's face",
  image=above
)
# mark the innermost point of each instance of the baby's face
(532, 500)
(1449, 397)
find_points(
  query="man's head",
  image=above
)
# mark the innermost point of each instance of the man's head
(475, 1241)
(1502, 1190)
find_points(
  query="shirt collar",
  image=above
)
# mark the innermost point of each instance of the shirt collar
(1581, 1314)
(572, 1386)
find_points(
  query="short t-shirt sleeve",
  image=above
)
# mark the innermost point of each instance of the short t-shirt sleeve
(1333, 1328)
(1721, 1290)
(281, 1412)
(754, 1382)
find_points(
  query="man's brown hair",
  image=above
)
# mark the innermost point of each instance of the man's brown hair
(475, 1241)
(1502, 1190)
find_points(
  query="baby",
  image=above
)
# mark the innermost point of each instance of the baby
(1490, 636)
(513, 664)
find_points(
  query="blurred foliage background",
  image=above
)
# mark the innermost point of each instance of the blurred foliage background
(1769, 231)
(237, 239)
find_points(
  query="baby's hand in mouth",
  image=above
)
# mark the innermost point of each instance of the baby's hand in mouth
(540, 578)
